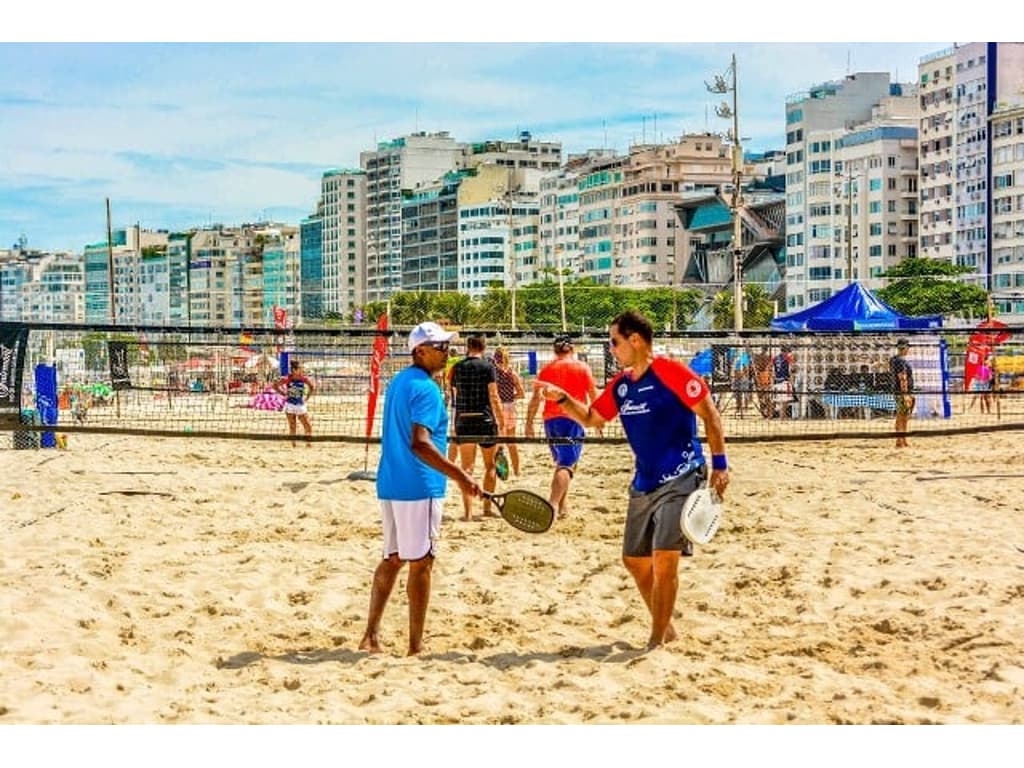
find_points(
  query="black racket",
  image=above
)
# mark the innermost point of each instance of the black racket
(525, 510)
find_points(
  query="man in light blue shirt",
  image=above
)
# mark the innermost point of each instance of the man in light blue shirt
(412, 480)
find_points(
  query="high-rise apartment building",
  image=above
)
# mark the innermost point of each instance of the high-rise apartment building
(1007, 233)
(311, 266)
(343, 240)
(964, 91)
(627, 218)
(867, 121)
(430, 235)
(400, 164)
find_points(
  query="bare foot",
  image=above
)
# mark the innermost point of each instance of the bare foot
(370, 643)
(668, 636)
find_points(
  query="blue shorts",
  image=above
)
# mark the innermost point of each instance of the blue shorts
(565, 454)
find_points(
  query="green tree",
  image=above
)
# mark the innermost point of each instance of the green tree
(923, 286)
(457, 308)
(758, 308)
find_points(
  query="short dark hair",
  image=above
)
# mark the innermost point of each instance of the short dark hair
(631, 321)
(563, 343)
(476, 343)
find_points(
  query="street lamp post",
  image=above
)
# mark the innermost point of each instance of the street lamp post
(849, 178)
(721, 85)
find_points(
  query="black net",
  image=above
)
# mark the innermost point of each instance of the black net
(220, 382)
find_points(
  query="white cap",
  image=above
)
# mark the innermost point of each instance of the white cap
(427, 332)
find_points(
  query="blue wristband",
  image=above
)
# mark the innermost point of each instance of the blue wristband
(718, 462)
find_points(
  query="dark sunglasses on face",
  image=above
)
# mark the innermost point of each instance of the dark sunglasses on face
(440, 346)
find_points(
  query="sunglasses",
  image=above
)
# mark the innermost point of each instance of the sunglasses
(440, 346)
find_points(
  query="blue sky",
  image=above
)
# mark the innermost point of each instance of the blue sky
(179, 135)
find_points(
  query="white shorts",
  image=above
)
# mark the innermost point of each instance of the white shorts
(411, 528)
(295, 409)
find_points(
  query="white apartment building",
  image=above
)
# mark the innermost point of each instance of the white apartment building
(499, 237)
(343, 195)
(400, 164)
(962, 88)
(1007, 131)
(41, 287)
(862, 118)
(530, 159)
(628, 224)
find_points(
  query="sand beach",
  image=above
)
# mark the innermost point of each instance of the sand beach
(162, 580)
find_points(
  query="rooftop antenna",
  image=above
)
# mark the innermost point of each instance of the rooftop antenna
(656, 128)
(604, 127)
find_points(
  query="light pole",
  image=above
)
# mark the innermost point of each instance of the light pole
(850, 178)
(511, 243)
(721, 85)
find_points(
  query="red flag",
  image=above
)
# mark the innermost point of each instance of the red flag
(973, 360)
(380, 351)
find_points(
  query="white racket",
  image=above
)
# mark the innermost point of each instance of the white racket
(701, 516)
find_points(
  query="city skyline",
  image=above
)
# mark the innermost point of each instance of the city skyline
(184, 135)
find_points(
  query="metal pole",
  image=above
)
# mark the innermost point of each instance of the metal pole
(737, 231)
(849, 227)
(110, 266)
(561, 284)
(511, 246)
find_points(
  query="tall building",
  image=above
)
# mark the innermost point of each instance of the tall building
(125, 250)
(1007, 127)
(849, 155)
(497, 231)
(628, 222)
(400, 164)
(343, 240)
(311, 267)
(430, 236)
(965, 91)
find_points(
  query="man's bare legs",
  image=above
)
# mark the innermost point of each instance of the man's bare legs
(467, 458)
(902, 419)
(560, 490)
(383, 582)
(657, 578)
(418, 591)
(490, 477)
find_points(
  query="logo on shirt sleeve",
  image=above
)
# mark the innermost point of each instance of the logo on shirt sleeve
(693, 389)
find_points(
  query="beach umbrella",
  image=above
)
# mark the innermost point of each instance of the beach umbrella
(990, 333)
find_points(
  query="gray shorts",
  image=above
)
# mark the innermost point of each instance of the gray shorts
(652, 519)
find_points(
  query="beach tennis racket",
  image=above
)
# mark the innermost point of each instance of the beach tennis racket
(525, 510)
(701, 516)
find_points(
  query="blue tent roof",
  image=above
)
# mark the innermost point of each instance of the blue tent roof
(854, 308)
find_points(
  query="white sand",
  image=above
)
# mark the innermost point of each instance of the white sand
(188, 581)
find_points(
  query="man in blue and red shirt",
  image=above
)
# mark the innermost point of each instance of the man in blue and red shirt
(658, 400)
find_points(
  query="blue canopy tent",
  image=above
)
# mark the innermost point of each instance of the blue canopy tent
(854, 308)
(857, 309)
